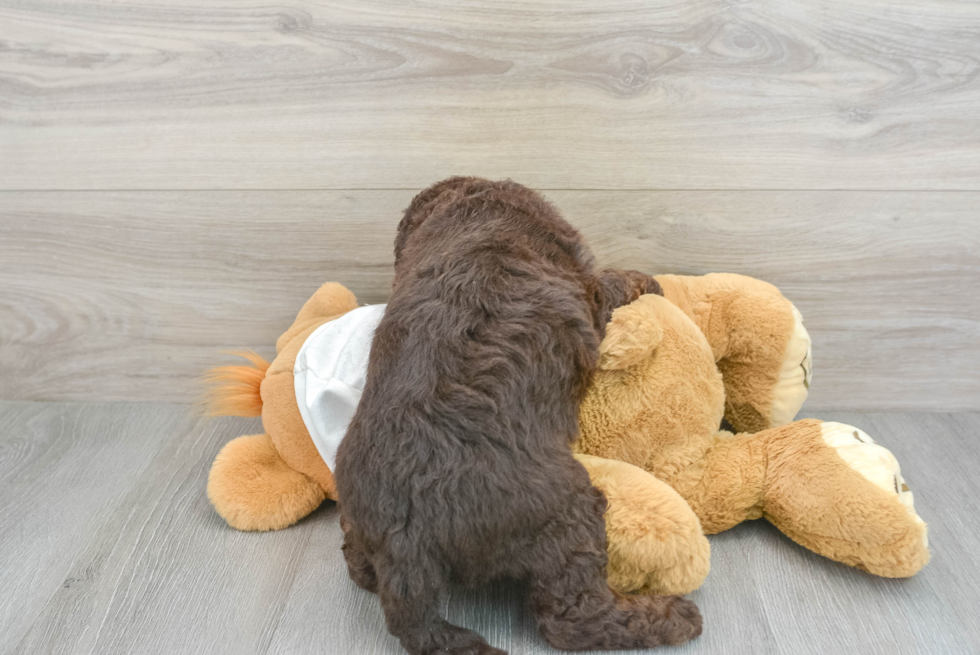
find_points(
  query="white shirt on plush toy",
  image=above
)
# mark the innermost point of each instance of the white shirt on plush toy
(329, 376)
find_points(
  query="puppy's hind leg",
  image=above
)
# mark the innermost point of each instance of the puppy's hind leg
(358, 563)
(576, 608)
(409, 591)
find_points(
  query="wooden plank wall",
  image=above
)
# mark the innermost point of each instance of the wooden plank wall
(176, 178)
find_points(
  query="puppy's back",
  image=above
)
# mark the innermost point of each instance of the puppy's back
(475, 371)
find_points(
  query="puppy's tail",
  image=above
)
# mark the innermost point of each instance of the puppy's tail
(234, 390)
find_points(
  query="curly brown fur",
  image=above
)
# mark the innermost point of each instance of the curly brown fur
(457, 465)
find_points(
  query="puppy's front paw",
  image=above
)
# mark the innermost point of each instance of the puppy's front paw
(682, 621)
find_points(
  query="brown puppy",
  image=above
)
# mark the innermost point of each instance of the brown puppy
(457, 465)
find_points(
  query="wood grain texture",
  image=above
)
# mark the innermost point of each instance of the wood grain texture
(171, 94)
(127, 556)
(65, 472)
(131, 295)
(164, 574)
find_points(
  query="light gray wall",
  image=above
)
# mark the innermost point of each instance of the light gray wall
(176, 178)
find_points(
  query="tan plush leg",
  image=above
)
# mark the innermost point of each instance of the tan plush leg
(758, 340)
(793, 385)
(833, 490)
(252, 488)
(654, 540)
(728, 487)
(827, 486)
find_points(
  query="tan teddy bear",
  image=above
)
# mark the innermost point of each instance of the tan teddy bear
(662, 389)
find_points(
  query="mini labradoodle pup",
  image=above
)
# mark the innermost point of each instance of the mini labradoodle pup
(457, 465)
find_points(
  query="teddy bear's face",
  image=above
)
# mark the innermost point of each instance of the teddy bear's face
(657, 396)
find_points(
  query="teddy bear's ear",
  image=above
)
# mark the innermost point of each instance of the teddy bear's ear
(631, 337)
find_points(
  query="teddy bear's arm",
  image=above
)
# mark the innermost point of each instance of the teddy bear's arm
(727, 486)
(832, 489)
(828, 486)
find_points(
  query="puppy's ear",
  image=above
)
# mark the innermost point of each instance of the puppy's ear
(428, 201)
(631, 337)
(617, 288)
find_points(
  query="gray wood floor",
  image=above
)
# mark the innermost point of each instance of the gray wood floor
(109, 545)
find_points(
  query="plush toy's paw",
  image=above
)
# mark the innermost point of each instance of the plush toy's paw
(832, 489)
(252, 488)
(758, 340)
(793, 385)
(875, 463)
(654, 539)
